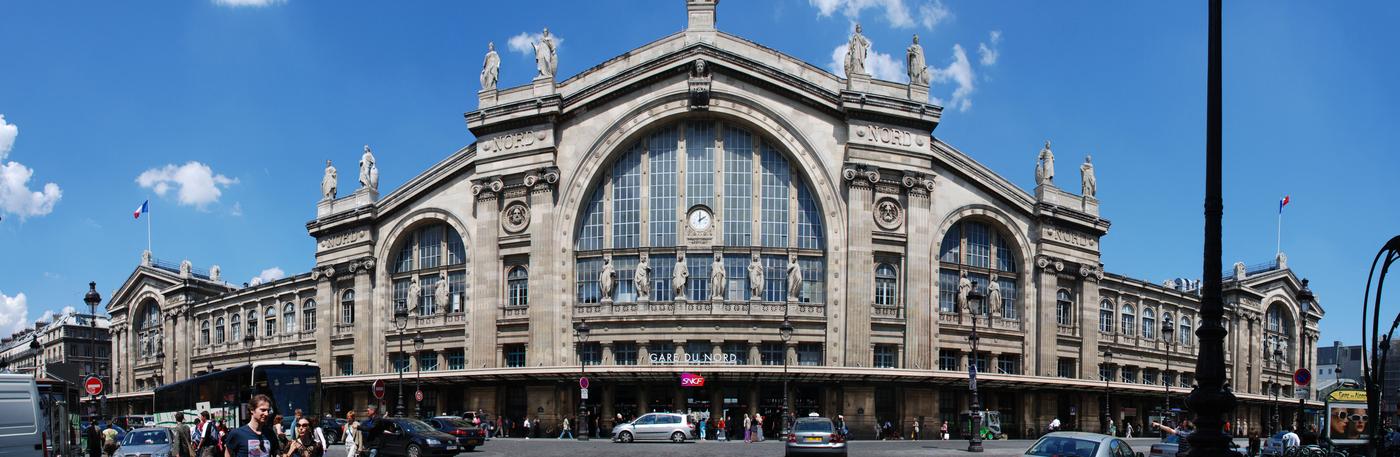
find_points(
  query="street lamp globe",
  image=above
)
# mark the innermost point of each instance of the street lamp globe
(92, 298)
(581, 330)
(418, 342)
(401, 318)
(785, 330)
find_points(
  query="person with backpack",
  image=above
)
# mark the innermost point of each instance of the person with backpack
(206, 439)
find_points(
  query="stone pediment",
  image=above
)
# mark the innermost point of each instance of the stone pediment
(957, 162)
(142, 278)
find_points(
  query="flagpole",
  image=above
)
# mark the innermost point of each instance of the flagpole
(148, 228)
(1278, 237)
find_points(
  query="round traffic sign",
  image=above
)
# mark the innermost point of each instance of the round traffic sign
(418, 395)
(1302, 377)
(583, 382)
(93, 385)
(379, 389)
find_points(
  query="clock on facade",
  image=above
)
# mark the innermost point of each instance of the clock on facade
(700, 218)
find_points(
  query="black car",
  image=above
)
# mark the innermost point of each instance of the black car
(334, 429)
(414, 438)
(468, 436)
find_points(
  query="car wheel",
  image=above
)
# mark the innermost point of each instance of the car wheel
(626, 437)
(677, 437)
(414, 451)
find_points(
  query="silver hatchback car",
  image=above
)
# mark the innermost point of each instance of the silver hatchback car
(656, 427)
(815, 436)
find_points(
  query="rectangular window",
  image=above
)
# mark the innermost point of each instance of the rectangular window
(774, 278)
(771, 353)
(809, 220)
(590, 235)
(1008, 364)
(404, 261)
(661, 350)
(662, 149)
(1149, 377)
(809, 354)
(402, 362)
(428, 361)
(625, 353)
(979, 360)
(697, 350)
(1065, 368)
(456, 253)
(813, 279)
(661, 268)
(700, 164)
(947, 360)
(886, 355)
(738, 187)
(776, 178)
(1009, 310)
(590, 353)
(699, 286)
(1006, 260)
(400, 294)
(626, 290)
(1130, 375)
(456, 359)
(515, 355)
(947, 291)
(739, 351)
(586, 273)
(457, 281)
(978, 245)
(983, 308)
(1169, 379)
(427, 305)
(1105, 372)
(736, 268)
(1188, 380)
(429, 247)
(627, 199)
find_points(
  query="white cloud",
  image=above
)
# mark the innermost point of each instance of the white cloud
(46, 317)
(237, 209)
(524, 42)
(14, 312)
(897, 12)
(198, 185)
(247, 3)
(69, 309)
(268, 275)
(878, 64)
(989, 53)
(15, 196)
(960, 73)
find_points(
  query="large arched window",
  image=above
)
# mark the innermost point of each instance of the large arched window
(1149, 320)
(1278, 331)
(1064, 308)
(1185, 331)
(518, 288)
(252, 323)
(219, 331)
(308, 316)
(204, 333)
(693, 190)
(425, 254)
(148, 328)
(1106, 316)
(1129, 320)
(235, 327)
(982, 251)
(347, 307)
(270, 321)
(289, 318)
(886, 289)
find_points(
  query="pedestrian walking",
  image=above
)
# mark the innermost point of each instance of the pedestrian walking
(207, 443)
(94, 440)
(253, 439)
(914, 435)
(351, 436)
(529, 431)
(758, 427)
(308, 443)
(943, 430)
(719, 432)
(879, 432)
(1128, 430)
(748, 428)
(109, 441)
(182, 444)
(1112, 428)
(703, 429)
(1253, 442)
(566, 430)
(372, 430)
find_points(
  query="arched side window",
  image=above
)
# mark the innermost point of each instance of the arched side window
(347, 307)
(425, 254)
(1106, 316)
(984, 252)
(1064, 308)
(886, 285)
(219, 331)
(270, 321)
(235, 326)
(1279, 332)
(148, 329)
(518, 287)
(204, 333)
(252, 324)
(1185, 331)
(289, 318)
(1149, 322)
(1129, 320)
(308, 316)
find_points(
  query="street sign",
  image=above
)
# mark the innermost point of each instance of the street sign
(379, 389)
(418, 395)
(583, 393)
(1302, 377)
(583, 382)
(93, 385)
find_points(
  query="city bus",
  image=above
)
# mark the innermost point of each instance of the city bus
(292, 385)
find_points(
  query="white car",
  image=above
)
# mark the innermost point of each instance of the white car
(1080, 444)
(656, 427)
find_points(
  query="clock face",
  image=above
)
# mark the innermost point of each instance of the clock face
(700, 219)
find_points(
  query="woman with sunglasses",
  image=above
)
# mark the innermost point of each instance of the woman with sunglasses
(307, 443)
(257, 438)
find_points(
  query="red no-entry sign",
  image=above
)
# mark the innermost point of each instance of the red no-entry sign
(418, 395)
(379, 389)
(93, 385)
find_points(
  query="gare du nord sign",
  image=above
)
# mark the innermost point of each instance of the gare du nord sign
(694, 359)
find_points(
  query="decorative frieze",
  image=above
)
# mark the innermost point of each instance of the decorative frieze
(519, 140)
(344, 238)
(1070, 237)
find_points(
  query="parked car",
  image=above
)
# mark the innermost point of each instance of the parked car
(468, 435)
(147, 441)
(22, 431)
(414, 438)
(815, 436)
(1171, 444)
(135, 421)
(1080, 444)
(656, 427)
(334, 429)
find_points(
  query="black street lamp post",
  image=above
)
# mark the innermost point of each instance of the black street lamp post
(418, 378)
(92, 298)
(1278, 365)
(785, 331)
(248, 341)
(1168, 331)
(581, 425)
(1107, 376)
(974, 443)
(400, 323)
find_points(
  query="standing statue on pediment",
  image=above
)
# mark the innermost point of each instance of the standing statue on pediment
(415, 291)
(607, 279)
(719, 285)
(914, 60)
(964, 288)
(641, 278)
(1045, 166)
(994, 295)
(328, 182)
(442, 291)
(794, 280)
(369, 172)
(1089, 186)
(490, 68)
(546, 55)
(856, 51)
(680, 275)
(756, 278)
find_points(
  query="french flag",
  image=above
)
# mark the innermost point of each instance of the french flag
(144, 208)
(1282, 203)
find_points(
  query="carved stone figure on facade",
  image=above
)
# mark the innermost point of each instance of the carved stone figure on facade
(1045, 166)
(156, 343)
(641, 278)
(719, 285)
(680, 275)
(442, 292)
(490, 68)
(145, 345)
(1240, 271)
(546, 59)
(794, 280)
(755, 269)
(215, 273)
(369, 172)
(914, 61)
(994, 296)
(964, 288)
(329, 181)
(607, 279)
(1089, 186)
(856, 51)
(186, 268)
(146, 258)
(888, 212)
(414, 292)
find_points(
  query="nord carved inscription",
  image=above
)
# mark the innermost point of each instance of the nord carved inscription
(1070, 237)
(885, 135)
(512, 141)
(344, 238)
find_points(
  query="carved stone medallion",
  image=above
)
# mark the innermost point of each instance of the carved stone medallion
(516, 217)
(888, 214)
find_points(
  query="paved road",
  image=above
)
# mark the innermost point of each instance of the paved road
(568, 448)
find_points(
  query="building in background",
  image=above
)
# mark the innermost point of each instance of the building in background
(68, 348)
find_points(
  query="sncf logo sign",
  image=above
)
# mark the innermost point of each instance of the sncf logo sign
(692, 380)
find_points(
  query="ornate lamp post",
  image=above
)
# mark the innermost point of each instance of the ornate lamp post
(400, 323)
(1373, 370)
(581, 334)
(1168, 331)
(974, 443)
(1107, 376)
(92, 298)
(418, 378)
(1278, 365)
(785, 331)
(248, 341)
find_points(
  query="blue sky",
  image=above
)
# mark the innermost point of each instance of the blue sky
(222, 115)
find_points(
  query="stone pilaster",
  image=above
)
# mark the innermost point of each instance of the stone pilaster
(326, 319)
(371, 318)
(546, 295)
(1047, 283)
(920, 277)
(860, 261)
(1088, 324)
(484, 309)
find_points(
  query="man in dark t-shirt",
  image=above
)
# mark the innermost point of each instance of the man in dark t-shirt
(256, 439)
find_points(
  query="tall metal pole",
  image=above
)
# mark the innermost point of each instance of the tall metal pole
(92, 298)
(1373, 367)
(581, 331)
(1107, 376)
(400, 370)
(974, 443)
(1169, 333)
(1211, 400)
(785, 331)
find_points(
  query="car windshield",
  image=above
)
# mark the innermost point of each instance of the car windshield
(823, 426)
(1060, 446)
(415, 425)
(141, 437)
